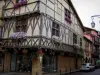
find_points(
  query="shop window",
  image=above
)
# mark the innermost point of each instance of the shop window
(24, 63)
(74, 38)
(49, 63)
(68, 16)
(55, 29)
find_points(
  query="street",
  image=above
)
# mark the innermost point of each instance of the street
(96, 72)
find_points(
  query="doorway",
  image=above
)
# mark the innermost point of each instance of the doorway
(13, 62)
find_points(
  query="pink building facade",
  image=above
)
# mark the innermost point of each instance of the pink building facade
(93, 48)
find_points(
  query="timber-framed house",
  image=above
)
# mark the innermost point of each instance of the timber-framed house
(41, 36)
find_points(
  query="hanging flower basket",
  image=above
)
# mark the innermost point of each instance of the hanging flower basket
(19, 4)
(24, 51)
(16, 5)
(15, 51)
(34, 55)
(40, 53)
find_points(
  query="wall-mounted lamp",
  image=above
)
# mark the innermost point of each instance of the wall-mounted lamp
(92, 18)
(93, 24)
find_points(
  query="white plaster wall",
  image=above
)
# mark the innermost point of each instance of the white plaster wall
(7, 29)
(36, 30)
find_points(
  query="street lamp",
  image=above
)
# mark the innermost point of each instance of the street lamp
(92, 18)
(92, 24)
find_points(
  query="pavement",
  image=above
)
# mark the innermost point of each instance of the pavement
(15, 73)
(96, 72)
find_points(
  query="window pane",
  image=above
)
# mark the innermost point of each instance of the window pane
(55, 29)
(57, 32)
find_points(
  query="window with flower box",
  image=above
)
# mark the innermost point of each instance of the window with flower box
(68, 16)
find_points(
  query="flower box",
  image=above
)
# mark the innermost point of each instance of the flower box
(68, 20)
(19, 4)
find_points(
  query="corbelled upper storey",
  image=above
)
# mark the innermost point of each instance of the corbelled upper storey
(61, 10)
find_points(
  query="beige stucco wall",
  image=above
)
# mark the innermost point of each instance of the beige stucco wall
(36, 66)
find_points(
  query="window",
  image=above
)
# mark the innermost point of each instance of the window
(68, 16)
(55, 29)
(80, 41)
(49, 63)
(74, 38)
(21, 25)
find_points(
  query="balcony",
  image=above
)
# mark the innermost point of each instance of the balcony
(38, 41)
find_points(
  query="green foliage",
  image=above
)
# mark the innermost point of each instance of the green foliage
(98, 62)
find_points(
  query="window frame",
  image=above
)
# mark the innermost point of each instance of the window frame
(68, 16)
(74, 38)
(22, 24)
(81, 42)
(55, 29)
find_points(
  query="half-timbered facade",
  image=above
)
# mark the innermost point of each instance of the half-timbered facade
(33, 28)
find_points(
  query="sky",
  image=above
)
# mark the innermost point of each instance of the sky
(86, 9)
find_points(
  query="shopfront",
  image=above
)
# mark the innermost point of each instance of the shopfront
(49, 63)
(21, 61)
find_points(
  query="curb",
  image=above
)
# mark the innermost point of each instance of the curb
(63, 73)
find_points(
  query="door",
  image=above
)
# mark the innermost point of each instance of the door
(13, 62)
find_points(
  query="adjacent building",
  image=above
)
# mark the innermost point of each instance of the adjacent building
(88, 50)
(93, 35)
(41, 36)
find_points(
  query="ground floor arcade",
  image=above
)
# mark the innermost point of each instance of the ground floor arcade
(32, 60)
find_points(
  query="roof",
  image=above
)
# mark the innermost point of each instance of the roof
(72, 6)
(87, 28)
(87, 39)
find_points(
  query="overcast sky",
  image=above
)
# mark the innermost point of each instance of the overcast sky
(86, 9)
